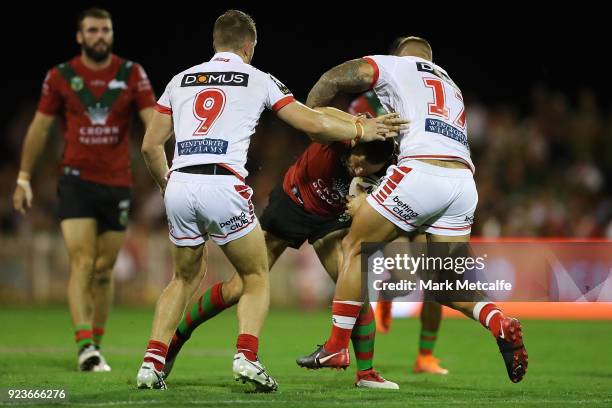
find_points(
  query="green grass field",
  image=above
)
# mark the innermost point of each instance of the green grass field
(570, 364)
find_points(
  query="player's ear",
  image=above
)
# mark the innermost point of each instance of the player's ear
(249, 49)
(79, 37)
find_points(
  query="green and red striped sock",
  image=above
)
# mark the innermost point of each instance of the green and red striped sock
(98, 333)
(208, 306)
(83, 335)
(427, 342)
(363, 336)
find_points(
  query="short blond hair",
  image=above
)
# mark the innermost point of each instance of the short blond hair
(233, 28)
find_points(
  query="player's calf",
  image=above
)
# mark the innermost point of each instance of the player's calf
(210, 304)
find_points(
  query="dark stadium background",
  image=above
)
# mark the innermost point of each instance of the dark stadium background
(495, 52)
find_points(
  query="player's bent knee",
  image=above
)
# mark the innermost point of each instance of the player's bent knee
(82, 264)
(254, 272)
(252, 266)
(351, 245)
(104, 266)
(187, 275)
(103, 274)
(102, 281)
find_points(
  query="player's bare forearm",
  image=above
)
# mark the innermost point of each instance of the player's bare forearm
(35, 141)
(337, 126)
(353, 76)
(155, 159)
(319, 126)
(337, 113)
(324, 128)
(333, 129)
(158, 132)
(33, 145)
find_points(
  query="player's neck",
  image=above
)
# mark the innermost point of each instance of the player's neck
(96, 65)
(242, 55)
(416, 54)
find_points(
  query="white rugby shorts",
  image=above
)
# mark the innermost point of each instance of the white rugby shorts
(419, 196)
(201, 206)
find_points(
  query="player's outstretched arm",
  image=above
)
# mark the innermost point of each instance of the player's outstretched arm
(33, 145)
(158, 132)
(337, 113)
(391, 120)
(325, 128)
(353, 76)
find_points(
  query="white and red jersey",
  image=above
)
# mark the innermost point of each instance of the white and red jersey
(423, 93)
(215, 107)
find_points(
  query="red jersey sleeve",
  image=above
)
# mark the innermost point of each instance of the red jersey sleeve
(142, 91)
(50, 101)
(343, 144)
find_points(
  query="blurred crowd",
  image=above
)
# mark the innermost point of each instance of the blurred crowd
(544, 170)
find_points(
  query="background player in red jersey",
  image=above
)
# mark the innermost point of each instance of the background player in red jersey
(309, 205)
(94, 95)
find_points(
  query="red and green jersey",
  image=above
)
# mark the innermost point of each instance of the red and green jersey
(367, 103)
(95, 110)
(318, 180)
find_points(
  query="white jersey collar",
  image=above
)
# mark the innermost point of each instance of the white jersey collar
(226, 57)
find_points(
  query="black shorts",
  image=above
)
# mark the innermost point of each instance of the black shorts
(108, 205)
(291, 223)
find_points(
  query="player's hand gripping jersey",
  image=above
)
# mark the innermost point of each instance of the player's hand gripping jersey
(423, 93)
(215, 107)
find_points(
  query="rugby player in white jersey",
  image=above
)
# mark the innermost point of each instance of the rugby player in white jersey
(431, 189)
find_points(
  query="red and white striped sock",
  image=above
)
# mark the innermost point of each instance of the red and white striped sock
(489, 315)
(345, 314)
(156, 354)
(248, 345)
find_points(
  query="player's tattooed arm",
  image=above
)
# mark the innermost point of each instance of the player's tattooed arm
(353, 76)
